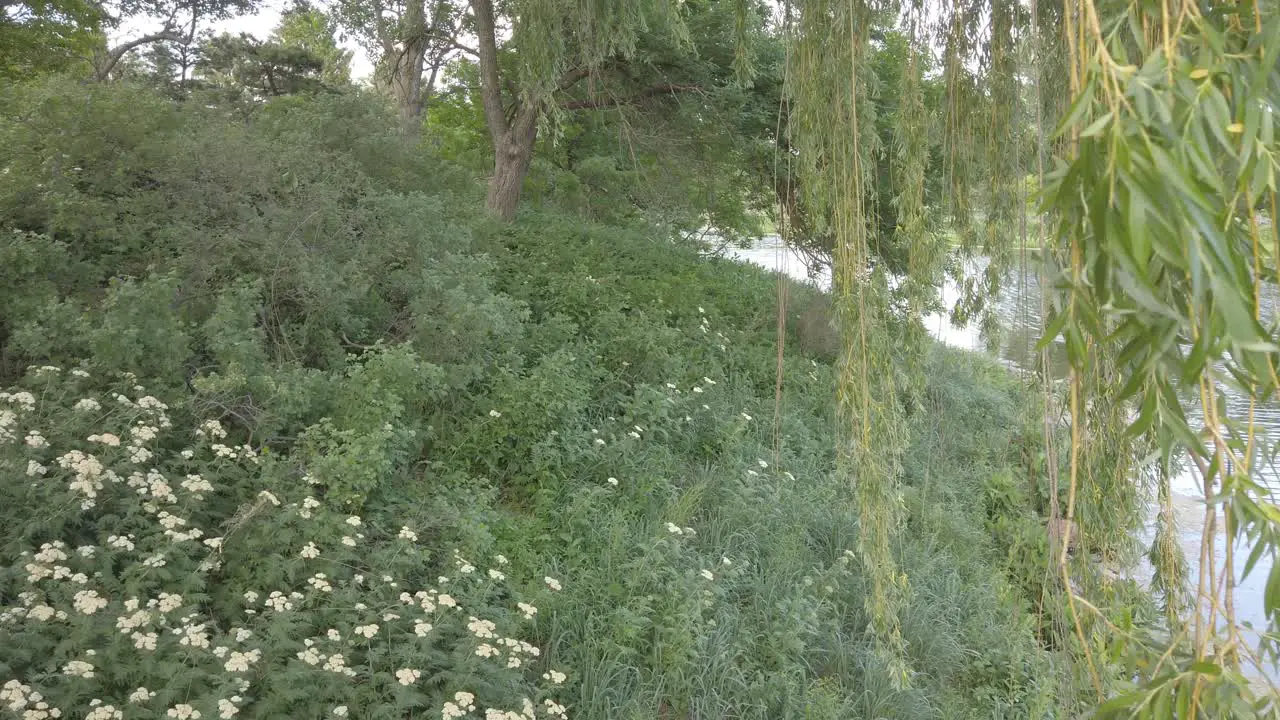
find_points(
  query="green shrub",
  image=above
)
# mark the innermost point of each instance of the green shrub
(165, 571)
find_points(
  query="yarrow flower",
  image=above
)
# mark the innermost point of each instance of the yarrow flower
(554, 676)
(141, 695)
(407, 534)
(240, 662)
(310, 551)
(78, 668)
(183, 711)
(408, 676)
(88, 602)
(528, 610)
(707, 574)
(227, 709)
(552, 583)
(366, 630)
(481, 628)
(613, 481)
(495, 414)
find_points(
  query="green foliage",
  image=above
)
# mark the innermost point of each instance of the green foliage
(1162, 261)
(595, 402)
(47, 36)
(216, 583)
(311, 30)
(252, 69)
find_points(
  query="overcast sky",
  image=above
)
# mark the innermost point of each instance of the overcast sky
(259, 25)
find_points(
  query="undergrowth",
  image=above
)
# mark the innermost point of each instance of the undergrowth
(348, 396)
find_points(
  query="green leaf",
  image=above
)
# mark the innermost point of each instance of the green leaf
(1097, 126)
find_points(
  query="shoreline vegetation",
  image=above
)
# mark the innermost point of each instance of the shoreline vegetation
(292, 428)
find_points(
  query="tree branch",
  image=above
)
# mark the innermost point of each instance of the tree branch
(108, 62)
(596, 103)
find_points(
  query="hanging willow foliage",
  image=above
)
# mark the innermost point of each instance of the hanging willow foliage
(1166, 206)
(1163, 211)
(832, 127)
(834, 95)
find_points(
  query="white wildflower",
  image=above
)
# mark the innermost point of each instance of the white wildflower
(408, 676)
(407, 534)
(552, 583)
(41, 613)
(481, 628)
(144, 641)
(707, 574)
(227, 709)
(141, 695)
(241, 661)
(88, 602)
(78, 668)
(183, 711)
(367, 631)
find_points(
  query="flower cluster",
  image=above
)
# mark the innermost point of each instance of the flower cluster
(198, 628)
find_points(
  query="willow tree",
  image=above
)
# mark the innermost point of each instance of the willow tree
(1166, 208)
(1162, 201)
(553, 47)
(834, 92)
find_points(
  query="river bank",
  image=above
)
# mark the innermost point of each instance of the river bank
(1019, 311)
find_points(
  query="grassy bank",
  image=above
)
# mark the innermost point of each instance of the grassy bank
(379, 453)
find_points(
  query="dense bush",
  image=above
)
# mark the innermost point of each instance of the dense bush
(595, 403)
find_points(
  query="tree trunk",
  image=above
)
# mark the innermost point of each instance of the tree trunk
(511, 159)
(407, 66)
